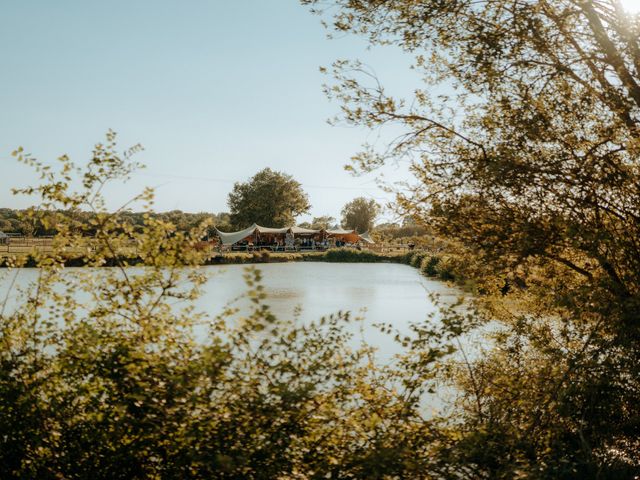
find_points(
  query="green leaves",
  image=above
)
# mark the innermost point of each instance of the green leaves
(360, 214)
(269, 198)
(522, 142)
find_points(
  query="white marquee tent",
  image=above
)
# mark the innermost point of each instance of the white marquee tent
(232, 238)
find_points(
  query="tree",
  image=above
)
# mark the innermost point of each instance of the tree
(360, 214)
(320, 223)
(269, 198)
(527, 156)
(222, 221)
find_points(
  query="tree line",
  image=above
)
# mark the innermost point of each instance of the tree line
(269, 198)
(20, 222)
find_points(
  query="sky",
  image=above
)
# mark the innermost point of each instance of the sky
(214, 90)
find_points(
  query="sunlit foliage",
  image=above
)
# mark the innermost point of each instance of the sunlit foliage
(269, 198)
(523, 142)
(360, 214)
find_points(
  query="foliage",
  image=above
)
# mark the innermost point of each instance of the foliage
(360, 214)
(339, 255)
(21, 222)
(324, 222)
(524, 146)
(394, 233)
(269, 198)
(429, 264)
(351, 255)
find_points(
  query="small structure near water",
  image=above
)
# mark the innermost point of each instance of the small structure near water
(290, 238)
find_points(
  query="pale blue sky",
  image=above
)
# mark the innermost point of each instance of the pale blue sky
(215, 90)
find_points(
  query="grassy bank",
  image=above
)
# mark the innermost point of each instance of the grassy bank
(430, 264)
(334, 255)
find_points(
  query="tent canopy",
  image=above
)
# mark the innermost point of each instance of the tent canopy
(339, 231)
(234, 237)
(350, 236)
(366, 238)
(272, 230)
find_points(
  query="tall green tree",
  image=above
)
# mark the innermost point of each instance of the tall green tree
(360, 214)
(528, 155)
(269, 198)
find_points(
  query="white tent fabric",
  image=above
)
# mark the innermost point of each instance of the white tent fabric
(271, 230)
(340, 232)
(234, 237)
(365, 236)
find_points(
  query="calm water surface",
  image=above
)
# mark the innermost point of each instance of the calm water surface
(381, 293)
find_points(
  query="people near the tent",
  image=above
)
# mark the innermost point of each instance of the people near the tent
(295, 238)
(289, 241)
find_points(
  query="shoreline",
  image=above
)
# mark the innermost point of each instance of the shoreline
(230, 258)
(436, 265)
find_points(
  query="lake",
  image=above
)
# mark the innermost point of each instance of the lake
(381, 292)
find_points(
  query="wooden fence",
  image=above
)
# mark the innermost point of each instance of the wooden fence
(15, 244)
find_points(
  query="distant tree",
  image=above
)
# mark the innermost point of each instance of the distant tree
(323, 222)
(269, 198)
(222, 221)
(360, 214)
(320, 223)
(408, 231)
(5, 225)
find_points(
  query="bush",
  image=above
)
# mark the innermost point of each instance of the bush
(108, 380)
(429, 265)
(417, 257)
(350, 255)
(447, 268)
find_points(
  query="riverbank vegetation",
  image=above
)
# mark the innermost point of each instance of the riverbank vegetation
(523, 143)
(430, 263)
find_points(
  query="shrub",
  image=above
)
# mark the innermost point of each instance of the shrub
(447, 268)
(108, 379)
(352, 255)
(416, 258)
(429, 265)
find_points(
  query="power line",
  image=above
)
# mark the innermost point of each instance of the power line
(227, 181)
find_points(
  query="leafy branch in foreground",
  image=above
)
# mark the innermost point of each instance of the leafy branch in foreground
(523, 142)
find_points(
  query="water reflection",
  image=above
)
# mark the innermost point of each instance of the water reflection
(382, 293)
